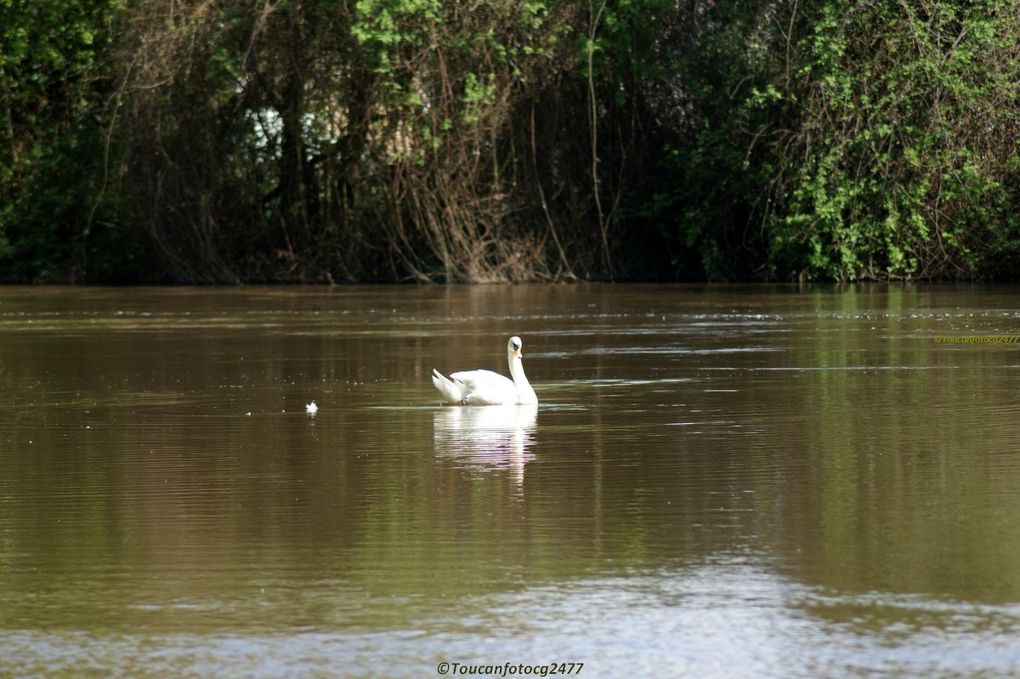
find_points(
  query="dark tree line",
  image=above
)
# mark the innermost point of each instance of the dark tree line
(508, 140)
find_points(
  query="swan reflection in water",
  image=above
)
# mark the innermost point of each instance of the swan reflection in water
(487, 437)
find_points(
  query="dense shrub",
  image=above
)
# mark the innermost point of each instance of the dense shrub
(509, 140)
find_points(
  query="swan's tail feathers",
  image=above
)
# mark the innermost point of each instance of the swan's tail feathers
(450, 390)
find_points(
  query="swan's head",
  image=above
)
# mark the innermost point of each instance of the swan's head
(514, 346)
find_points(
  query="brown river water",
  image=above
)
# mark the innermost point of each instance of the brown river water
(719, 481)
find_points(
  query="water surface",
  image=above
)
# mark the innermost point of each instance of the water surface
(718, 482)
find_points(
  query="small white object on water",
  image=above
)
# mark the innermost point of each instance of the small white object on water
(311, 408)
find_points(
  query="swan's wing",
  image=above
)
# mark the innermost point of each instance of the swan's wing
(484, 387)
(452, 391)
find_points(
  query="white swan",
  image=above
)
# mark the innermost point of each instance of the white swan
(486, 388)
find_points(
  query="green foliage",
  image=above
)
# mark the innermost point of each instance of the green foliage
(509, 140)
(423, 51)
(840, 140)
(55, 193)
(900, 163)
(714, 116)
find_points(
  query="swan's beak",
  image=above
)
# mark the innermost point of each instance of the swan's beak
(518, 354)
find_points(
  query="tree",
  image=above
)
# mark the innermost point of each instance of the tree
(59, 203)
(903, 161)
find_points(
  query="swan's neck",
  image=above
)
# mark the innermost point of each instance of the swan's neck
(525, 393)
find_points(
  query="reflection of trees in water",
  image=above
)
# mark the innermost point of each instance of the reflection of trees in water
(488, 437)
